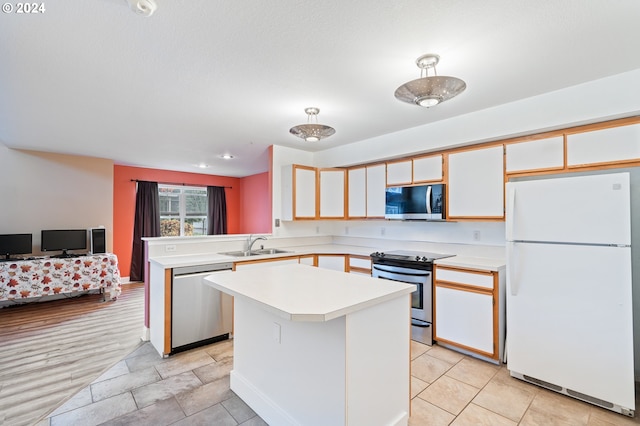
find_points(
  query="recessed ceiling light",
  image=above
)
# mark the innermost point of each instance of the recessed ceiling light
(226, 156)
(203, 165)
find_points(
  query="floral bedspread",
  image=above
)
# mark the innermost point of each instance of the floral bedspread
(24, 279)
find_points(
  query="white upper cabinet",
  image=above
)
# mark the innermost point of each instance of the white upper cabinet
(427, 169)
(298, 192)
(604, 146)
(357, 192)
(541, 154)
(332, 193)
(476, 183)
(399, 173)
(376, 188)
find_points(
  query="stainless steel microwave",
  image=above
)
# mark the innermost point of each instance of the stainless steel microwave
(421, 202)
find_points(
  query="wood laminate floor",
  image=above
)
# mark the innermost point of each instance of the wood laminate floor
(51, 350)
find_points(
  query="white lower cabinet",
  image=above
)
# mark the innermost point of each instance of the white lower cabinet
(469, 311)
(465, 317)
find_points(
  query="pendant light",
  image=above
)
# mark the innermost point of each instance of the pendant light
(312, 132)
(428, 91)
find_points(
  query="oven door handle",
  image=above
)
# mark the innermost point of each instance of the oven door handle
(409, 274)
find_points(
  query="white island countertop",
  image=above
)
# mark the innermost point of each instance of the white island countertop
(306, 293)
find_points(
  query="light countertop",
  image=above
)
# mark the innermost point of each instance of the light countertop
(176, 261)
(481, 263)
(306, 293)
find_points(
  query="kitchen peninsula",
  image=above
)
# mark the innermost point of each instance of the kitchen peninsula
(316, 347)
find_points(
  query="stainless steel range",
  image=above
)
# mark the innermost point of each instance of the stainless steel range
(412, 267)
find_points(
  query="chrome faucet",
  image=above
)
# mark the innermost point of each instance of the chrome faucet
(251, 241)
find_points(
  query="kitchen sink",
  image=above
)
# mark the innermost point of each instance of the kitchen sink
(241, 253)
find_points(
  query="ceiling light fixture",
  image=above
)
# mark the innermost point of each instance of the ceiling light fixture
(428, 91)
(226, 156)
(312, 132)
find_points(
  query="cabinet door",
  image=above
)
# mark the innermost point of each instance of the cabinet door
(427, 169)
(332, 193)
(357, 190)
(604, 146)
(304, 189)
(335, 262)
(308, 260)
(476, 184)
(399, 172)
(376, 186)
(465, 318)
(541, 154)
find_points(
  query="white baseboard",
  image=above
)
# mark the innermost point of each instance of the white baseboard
(268, 410)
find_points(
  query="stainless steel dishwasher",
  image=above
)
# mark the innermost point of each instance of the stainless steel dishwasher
(200, 314)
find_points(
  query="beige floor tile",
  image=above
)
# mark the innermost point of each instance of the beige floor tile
(428, 368)
(214, 371)
(80, 399)
(418, 349)
(143, 349)
(474, 372)
(601, 417)
(118, 369)
(97, 413)
(474, 415)
(503, 376)
(205, 396)
(214, 415)
(449, 394)
(550, 408)
(424, 413)
(417, 386)
(220, 350)
(145, 360)
(183, 362)
(166, 388)
(240, 411)
(161, 413)
(124, 383)
(500, 396)
(445, 354)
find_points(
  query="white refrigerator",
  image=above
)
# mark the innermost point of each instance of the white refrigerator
(569, 308)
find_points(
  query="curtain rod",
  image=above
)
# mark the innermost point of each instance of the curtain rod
(183, 184)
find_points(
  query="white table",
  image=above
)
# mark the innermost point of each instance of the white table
(320, 347)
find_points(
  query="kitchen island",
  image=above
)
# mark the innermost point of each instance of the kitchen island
(318, 347)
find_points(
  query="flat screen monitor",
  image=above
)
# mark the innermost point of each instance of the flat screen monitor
(63, 239)
(15, 244)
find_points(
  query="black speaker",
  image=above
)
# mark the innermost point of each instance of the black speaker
(98, 240)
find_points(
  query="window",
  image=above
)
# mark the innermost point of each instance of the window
(183, 210)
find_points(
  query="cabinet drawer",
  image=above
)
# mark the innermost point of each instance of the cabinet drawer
(462, 277)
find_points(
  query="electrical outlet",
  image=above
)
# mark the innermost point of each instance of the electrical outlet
(476, 235)
(170, 247)
(317, 229)
(346, 230)
(383, 231)
(277, 223)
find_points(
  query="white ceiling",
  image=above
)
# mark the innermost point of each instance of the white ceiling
(201, 78)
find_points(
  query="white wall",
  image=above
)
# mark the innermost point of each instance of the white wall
(54, 191)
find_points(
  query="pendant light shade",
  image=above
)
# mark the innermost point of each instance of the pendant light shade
(312, 131)
(428, 91)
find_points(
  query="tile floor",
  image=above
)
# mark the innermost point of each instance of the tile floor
(192, 388)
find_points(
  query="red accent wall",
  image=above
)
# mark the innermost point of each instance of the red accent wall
(256, 193)
(124, 203)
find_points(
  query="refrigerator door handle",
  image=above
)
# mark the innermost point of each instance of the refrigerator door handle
(511, 266)
(429, 199)
(511, 208)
